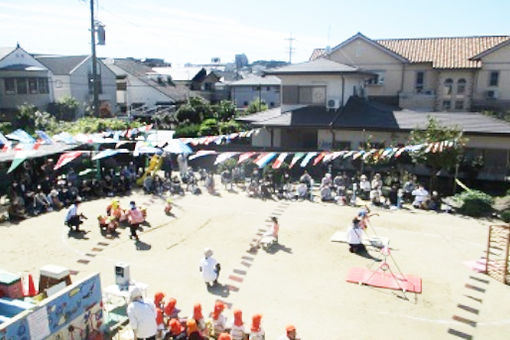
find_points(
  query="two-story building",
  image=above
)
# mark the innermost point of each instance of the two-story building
(23, 79)
(431, 74)
(266, 89)
(71, 76)
(328, 104)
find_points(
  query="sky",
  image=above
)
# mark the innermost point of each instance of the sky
(195, 31)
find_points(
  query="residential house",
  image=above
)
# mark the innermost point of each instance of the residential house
(138, 86)
(71, 76)
(431, 74)
(244, 91)
(23, 79)
(330, 105)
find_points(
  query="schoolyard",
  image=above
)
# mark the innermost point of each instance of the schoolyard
(302, 281)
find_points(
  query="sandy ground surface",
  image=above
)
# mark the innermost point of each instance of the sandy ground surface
(302, 281)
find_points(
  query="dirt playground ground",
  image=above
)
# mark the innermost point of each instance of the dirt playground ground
(302, 281)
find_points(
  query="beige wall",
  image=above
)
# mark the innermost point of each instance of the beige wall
(261, 138)
(496, 61)
(364, 55)
(333, 84)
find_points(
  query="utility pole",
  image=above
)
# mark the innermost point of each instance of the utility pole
(94, 60)
(291, 49)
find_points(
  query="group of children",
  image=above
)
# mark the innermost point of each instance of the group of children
(115, 215)
(197, 327)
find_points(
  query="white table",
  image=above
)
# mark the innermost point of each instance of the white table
(124, 291)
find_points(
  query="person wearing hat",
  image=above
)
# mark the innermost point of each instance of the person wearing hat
(142, 316)
(237, 331)
(73, 219)
(199, 318)
(192, 330)
(256, 331)
(177, 331)
(210, 268)
(290, 333)
(224, 336)
(218, 320)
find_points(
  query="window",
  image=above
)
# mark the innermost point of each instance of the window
(43, 85)
(271, 104)
(277, 89)
(312, 95)
(21, 85)
(10, 86)
(377, 79)
(268, 88)
(255, 88)
(447, 105)
(459, 105)
(245, 103)
(448, 87)
(420, 81)
(494, 78)
(461, 86)
(122, 86)
(32, 85)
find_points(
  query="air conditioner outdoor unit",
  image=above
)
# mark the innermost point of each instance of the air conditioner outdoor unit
(492, 94)
(333, 103)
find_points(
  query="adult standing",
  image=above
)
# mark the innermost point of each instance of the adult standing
(142, 316)
(210, 268)
(135, 217)
(182, 161)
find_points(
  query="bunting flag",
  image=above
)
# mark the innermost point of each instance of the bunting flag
(296, 158)
(19, 158)
(222, 157)
(358, 154)
(429, 148)
(67, 157)
(337, 154)
(399, 152)
(436, 147)
(46, 139)
(319, 158)
(108, 153)
(265, 158)
(307, 159)
(245, 156)
(348, 154)
(202, 153)
(279, 161)
(119, 144)
(21, 136)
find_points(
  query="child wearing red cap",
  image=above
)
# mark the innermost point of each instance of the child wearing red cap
(177, 331)
(160, 323)
(256, 331)
(224, 336)
(159, 299)
(218, 320)
(237, 331)
(199, 318)
(290, 333)
(171, 312)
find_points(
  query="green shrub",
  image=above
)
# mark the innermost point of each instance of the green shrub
(187, 130)
(229, 164)
(505, 216)
(474, 203)
(209, 127)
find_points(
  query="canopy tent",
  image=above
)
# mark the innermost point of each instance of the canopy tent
(42, 151)
(176, 146)
(108, 153)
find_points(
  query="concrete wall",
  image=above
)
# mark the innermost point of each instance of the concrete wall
(261, 138)
(241, 95)
(140, 92)
(496, 61)
(455, 75)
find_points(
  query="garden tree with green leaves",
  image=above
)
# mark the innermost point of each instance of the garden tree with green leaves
(25, 117)
(225, 110)
(435, 161)
(66, 108)
(257, 105)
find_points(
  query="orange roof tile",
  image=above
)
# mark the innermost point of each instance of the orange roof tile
(449, 53)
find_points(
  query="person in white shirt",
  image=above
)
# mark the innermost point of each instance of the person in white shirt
(256, 330)
(364, 186)
(210, 268)
(237, 331)
(218, 320)
(142, 316)
(73, 219)
(420, 197)
(354, 234)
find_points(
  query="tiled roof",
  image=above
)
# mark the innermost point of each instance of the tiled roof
(317, 66)
(317, 53)
(61, 65)
(447, 53)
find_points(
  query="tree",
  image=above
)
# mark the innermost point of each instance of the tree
(65, 108)
(188, 115)
(209, 127)
(225, 110)
(435, 161)
(257, 105)
(25, 117)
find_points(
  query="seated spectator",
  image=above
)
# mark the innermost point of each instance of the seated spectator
(326, 181)
(16, 209)
(148, 184)
(393, 197)
(85, 189)
(420, 197)
(409, 187)
(72, 192)
(326, 194)
(256, 331)
(377, 182)
(364, 187)
(54, 199)
(108, 186)
(97, 187)
(435, 201)
(306, 179)
(72, 177)
(124, 185)
(41, 202)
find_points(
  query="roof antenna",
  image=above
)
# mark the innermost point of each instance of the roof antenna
(17, 44)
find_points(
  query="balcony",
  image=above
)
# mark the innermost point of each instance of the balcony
(423, 101)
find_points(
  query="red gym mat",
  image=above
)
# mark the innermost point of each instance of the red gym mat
(382, 279)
